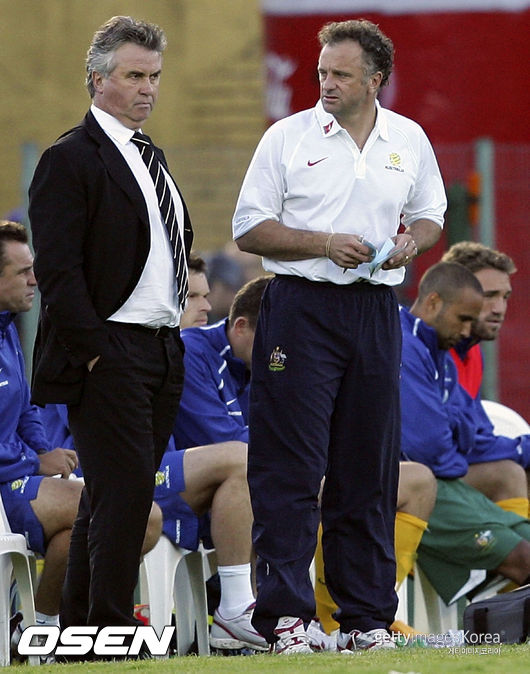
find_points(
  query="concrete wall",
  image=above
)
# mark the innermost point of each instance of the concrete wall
(209, 115)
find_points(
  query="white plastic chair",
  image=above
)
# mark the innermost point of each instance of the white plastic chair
(431, 614)
(172, 578)
(18, 561)
(402, 611)
(505, 420)
(209, 560)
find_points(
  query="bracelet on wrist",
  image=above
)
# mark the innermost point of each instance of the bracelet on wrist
(328, 244)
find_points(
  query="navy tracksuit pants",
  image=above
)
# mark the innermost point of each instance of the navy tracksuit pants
(324, 401)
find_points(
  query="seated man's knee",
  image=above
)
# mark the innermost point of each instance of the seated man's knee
(416, 489)
(233, 455)
(516, 565)
(57, 504)
(238, 452)
(498, 480)
(422, 478)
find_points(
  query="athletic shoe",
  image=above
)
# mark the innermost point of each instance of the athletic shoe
(17, 627)
(47, 659)
(236, 633)
(373, 640)
(319, 640)
(292, 637)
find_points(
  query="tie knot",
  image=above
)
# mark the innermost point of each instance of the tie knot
(140, 139)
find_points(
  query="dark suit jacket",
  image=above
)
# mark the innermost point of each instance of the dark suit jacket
(91, 237)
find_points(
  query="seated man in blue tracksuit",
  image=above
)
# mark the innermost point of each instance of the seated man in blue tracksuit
(214, 403)
(37, 505)
(493, 269)
(467, 530)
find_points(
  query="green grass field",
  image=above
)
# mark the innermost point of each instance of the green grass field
(489, 660)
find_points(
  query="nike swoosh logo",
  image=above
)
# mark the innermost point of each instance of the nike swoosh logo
(312, 163)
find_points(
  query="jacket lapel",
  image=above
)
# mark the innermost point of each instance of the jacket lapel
(117, 166)
(122, 175)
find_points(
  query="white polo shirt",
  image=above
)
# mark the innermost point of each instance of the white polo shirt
(308, 173)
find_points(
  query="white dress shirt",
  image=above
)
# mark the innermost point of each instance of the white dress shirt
(308, 173)
(154, 301)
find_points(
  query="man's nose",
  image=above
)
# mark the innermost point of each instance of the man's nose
(499, 306)
(328, 82)
(147, 87)
(466, 329)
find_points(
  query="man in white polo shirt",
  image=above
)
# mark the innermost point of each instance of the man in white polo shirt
(325, 374)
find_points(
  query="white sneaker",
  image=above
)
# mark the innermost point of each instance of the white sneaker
(292, 637)
(373, 640)
(236, 633)
(17, 627)
(319, 640)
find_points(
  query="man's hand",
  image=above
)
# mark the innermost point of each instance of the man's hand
(347, 250)
(417, 238)
(58, 462)
(408, 250)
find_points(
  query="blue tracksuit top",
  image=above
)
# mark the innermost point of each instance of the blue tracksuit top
(55, 419)
(21, 432)
(214, 403)
(488, 446)
(440, 424)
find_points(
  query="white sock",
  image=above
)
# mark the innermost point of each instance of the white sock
(43, 619)
(236, 590)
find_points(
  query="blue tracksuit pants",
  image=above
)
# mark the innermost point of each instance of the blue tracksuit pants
(324, 401)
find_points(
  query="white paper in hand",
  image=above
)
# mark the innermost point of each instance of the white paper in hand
(387, 250)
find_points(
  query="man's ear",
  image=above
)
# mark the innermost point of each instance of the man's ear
(240, 325)
(433, 303)
(375, 81)
(97, 81)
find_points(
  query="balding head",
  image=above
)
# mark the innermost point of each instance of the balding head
(449, 300)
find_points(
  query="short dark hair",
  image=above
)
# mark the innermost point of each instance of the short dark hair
(247, 301)
(378, 49)
(10, 231)
(476, 256)
(111, 36)
(196, 264)
(447, 279)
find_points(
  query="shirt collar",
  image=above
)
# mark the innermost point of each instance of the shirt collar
(330, 126)
(111, 126)
(381, 121)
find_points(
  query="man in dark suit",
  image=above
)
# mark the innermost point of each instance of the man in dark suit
(113, 284)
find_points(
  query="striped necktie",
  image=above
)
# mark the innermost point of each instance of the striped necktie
(167, 211)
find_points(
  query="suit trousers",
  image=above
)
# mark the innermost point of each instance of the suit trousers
(324, 401)
(120, 428)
